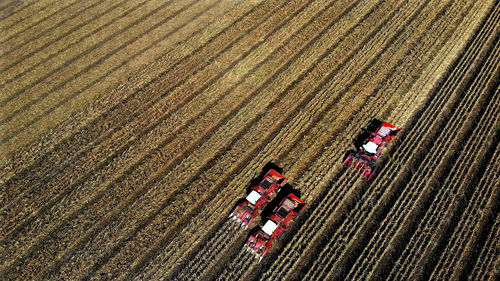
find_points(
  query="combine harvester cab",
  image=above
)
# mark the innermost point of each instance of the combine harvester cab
(260, 242)
(369, 150)
(258, 197)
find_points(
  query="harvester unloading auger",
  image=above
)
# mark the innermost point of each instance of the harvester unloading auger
(258, 197)
(260, 241)
(370, 145)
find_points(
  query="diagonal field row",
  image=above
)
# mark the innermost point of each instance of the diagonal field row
(399, 159)
(153, 195)
(76, 168)
(393, 220)
(101, 129)
(287, 253)
(486, 265)
(131, 38)
(139, 184)
(270, 150)
(250, 135)
(132, 177)
(348, 227)
(456, 184)
(470, 219)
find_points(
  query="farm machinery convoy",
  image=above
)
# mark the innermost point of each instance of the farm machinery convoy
(260, 195)
(370, 145)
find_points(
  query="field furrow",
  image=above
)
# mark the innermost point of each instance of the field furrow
(486, 265)
(47, 16)
(444, 202)
(400, 158)
(470, 218)
(100, 129)
(348, 138)
(417, 181)
(25, 58)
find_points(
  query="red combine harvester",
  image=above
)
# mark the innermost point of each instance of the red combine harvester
(370, 146)
(258, 197)
(260, 242)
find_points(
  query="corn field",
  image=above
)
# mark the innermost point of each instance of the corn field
(130, 129)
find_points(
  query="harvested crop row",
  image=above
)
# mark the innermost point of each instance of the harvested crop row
(239, 265)
(80, 158)
(25, 58)
(67, 81)
(18, 50)
(79, 126)
(324, 12)
(136, 175)
(354, 214)
(236, 106)
(48, 13)
(10, 11)
(396, 220)
(136, 58)
(116, 139)
(463, 233)
(77, 169)
(428, 231)
(486, 265)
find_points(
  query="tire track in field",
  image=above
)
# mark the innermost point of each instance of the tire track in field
(96, 115)
(46, 178)
(7, 37)
(23, 52)
(37, 98)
